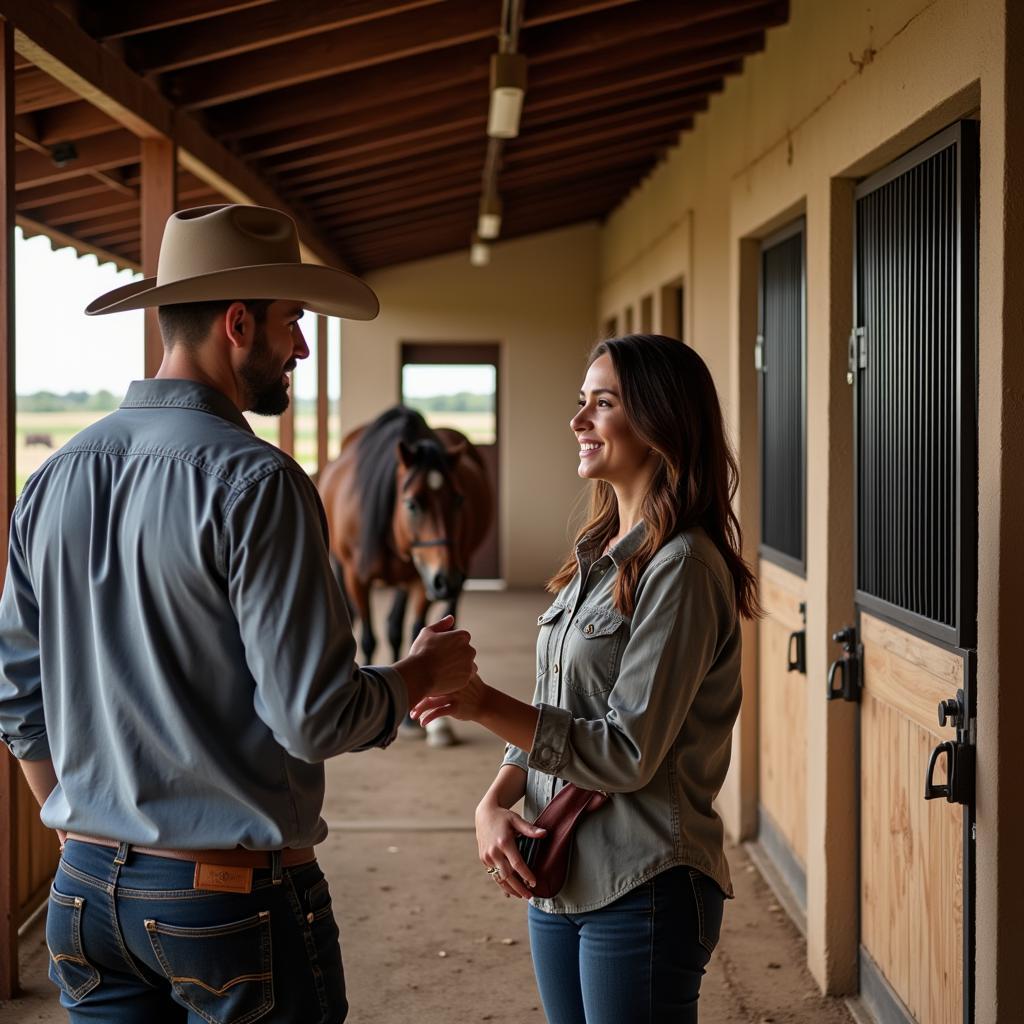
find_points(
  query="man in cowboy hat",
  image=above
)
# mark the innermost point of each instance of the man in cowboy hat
(176, 660)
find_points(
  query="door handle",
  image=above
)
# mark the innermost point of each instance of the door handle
(847, 667)
(796, 658)
(959, 755)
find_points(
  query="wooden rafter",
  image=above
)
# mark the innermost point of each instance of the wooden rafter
(66, 52)
(120, 18)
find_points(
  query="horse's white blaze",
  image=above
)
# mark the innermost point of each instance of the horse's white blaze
(435, 480)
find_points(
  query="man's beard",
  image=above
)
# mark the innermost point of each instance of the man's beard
(263, 377)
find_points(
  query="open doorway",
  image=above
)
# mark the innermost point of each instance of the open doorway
(456, 385)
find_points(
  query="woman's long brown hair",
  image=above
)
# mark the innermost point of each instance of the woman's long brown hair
(671, 404)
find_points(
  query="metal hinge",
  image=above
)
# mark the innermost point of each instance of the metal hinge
(857, 353)
(759, 354)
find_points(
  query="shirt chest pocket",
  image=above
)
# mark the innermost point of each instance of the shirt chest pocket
(593, 650)
(547, 637)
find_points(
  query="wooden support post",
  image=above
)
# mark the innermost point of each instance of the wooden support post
(321, 393)
(159, 195)
(286, 424)
(8, 768)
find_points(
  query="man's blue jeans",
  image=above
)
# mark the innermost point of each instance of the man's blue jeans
(135, 942)
(639, 960)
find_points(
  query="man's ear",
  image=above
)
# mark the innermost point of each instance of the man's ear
(237, 325)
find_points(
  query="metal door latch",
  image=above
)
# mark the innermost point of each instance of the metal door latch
(847, 667)
(856, 354)
(959, 755)
(796, 649)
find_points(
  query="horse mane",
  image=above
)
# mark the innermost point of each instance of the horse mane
(376, 466)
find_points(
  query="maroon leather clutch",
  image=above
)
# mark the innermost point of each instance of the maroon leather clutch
(548, 856)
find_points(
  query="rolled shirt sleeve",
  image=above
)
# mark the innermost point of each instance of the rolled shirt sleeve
(682, 618)
(295, 627)
(22, 721)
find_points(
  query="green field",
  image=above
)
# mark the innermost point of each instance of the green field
(60, 427)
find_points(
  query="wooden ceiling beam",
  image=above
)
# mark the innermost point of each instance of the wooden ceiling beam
(102, 154)
(331, 45)
(359, 213)
(121, 18)
(30, 199)
(345, 98)
(386, 154)
(36, 90)
(66, 52)
(701, 21)
(441, 112)
(545, 170)
(343, 95)
(374, 42)
(276, 24)
(439, 238)
(79, 211)
(398, 226)
(73, 121)
(469, 118)
(582, 127)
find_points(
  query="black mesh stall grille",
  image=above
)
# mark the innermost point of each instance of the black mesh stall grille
(909, 300)
(782, 399)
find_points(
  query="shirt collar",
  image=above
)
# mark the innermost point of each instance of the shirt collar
(183, 394)
(620, 553)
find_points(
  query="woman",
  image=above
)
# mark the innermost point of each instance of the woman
(638, 687)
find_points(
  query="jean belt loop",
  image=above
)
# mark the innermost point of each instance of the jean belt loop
(121, 856)
(275, 868)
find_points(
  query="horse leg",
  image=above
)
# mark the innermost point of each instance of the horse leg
(439, 732)
(360, 592)
(396, 621)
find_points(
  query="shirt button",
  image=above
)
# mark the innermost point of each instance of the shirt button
(309, 918)
(540, 620)
(555, 669)
(589, 630)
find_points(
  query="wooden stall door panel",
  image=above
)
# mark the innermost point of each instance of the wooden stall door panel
(911, 849)
(782, 711)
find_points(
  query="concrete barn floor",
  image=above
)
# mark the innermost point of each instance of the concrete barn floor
(426, 936)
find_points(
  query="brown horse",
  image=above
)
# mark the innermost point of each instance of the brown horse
(407, 506)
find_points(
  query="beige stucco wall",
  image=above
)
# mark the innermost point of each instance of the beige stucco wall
(838, 92)
(536, 299)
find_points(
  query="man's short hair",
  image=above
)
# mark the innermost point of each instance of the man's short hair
(188, 323)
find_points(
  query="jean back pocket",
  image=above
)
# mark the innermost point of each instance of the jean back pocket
(69, 969)
(223, 972)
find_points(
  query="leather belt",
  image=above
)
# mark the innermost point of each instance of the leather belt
(236, 858)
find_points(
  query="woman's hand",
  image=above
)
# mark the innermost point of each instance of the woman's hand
(496, 830)
(464, 704)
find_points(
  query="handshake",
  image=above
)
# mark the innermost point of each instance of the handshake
(441, 661)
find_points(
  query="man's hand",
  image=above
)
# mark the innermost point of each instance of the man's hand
(440, 660)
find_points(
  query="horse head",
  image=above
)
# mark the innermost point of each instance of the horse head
(426, 515)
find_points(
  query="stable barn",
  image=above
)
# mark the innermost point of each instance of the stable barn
(823, 199)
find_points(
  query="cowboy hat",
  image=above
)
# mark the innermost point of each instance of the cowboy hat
(239, 252)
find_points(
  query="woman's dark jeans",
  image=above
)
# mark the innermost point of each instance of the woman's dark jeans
(135, 942)
(639, 960)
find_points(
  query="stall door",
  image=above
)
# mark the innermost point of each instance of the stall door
(782, 723)
(909, 657)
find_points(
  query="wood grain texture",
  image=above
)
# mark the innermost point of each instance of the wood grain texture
(782, 723)
(911, 849)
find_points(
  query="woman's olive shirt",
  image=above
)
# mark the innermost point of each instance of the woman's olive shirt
(642, 708)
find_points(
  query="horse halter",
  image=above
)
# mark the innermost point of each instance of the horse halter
(439, 542)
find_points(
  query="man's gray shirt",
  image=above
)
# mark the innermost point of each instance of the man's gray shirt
(172, 635)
